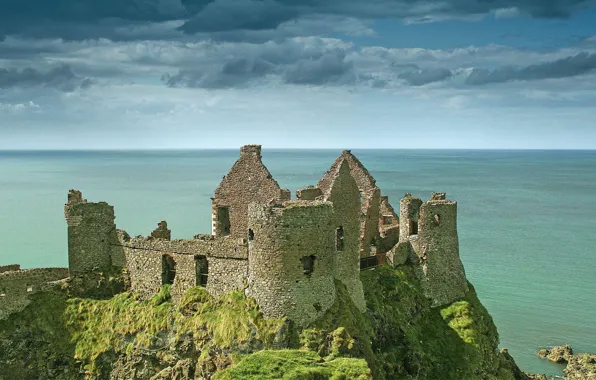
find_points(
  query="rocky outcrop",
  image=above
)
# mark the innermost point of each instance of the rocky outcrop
(579, 367)
(557, 354)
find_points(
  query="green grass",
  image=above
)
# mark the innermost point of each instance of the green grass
(125, 323)
(295, 365)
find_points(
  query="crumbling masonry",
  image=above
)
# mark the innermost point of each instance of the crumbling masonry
(287, 254)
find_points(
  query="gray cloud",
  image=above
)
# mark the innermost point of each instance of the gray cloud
(295, 67)
(60, 77)
(579, 64)
(81, 19)
(422, 77)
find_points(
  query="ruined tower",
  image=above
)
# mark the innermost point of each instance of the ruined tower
(247, 181)
(431, 229)
(291, 251)
(91, 234)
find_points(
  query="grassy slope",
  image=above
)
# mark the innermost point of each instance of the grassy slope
(399, 336)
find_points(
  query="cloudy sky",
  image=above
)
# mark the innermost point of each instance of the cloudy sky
(142, 74)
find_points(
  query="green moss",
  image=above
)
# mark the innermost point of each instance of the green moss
(125, 324)
(413, 340)
(294, 365)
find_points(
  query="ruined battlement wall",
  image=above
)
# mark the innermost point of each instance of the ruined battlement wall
(345, 197)
(291, 259)
(16, 286)
(428, 234)
(247, 181)
(224, 260)
(10, 268)
(91, 234)
(309, 193)
(409, 214)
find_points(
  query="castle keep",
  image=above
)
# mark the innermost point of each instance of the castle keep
(286, 253)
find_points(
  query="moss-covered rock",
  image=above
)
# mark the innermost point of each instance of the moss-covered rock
(124, 337)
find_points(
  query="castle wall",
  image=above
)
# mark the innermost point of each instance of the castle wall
(436, 247)
(16, 286)
(226, 262)
(248, 181)
(345, 196)
(370, 198)
(388, 226)
(9, 268)
(409, 214)
(285, 237)
(91, 234)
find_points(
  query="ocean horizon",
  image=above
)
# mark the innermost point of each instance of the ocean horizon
(526, 218)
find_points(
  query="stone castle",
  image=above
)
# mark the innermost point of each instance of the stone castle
(285, 253)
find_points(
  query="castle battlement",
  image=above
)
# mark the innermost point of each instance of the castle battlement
(287, 254)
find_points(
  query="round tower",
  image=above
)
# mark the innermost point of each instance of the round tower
(291, 259)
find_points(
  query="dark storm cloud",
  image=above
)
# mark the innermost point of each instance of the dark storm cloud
(422, 77)
(579, 64)
(80, 19)
(61, 78)
(292, 66)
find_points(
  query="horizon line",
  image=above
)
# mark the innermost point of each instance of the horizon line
(295, 149)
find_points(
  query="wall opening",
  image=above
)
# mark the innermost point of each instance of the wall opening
(29, 288)
(373, 246)
(223, 220)
(202, 270)
(339, 239)
(3, 292)
(413, 227)
(361, 192)
(438, 219)
(387, 220)
(308, 264)
(251, 235)
(168, 270)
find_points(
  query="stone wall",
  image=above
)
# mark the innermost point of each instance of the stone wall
(91, 234)
(247, 181)
(345, 196)
(369, 197)
(9, 268)
(436, 249)
(226, 259)
(286, 239)
(409, 213)
(16, 286)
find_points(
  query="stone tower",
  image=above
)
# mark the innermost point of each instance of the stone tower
(291, 251)
(91, 234)
(431, 229)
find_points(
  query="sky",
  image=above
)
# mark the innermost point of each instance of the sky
(393, 74)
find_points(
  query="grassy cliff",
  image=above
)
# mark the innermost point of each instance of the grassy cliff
(123, 337)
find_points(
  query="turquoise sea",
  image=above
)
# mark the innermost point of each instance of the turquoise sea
(527, 219)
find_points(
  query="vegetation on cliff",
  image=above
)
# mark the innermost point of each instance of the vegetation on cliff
(125, 337)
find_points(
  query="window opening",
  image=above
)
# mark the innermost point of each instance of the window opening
(251, 235)
(168, 270)
(202, 270)
(339, 239)
(308, 264)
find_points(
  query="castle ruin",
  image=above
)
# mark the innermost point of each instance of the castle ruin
(285, 253)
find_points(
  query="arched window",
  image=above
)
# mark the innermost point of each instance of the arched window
(438, 219)
(339, 239)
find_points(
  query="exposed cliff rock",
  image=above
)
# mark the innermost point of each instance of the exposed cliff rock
(579, 367)
(398, 337)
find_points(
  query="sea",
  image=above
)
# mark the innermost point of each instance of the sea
(526, 219)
